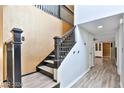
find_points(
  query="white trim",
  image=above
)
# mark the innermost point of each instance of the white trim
(121, 85)
(77, 79)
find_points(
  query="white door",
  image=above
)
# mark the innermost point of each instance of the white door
(91, 55)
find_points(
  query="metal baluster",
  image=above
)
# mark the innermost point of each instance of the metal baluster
(51, 9)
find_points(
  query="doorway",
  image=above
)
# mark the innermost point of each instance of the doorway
(106, 49)
(98, 50)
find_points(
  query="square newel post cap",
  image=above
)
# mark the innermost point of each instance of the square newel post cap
(17, 30)
(57, 37)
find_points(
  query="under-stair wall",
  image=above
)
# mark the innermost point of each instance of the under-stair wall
(76, 63)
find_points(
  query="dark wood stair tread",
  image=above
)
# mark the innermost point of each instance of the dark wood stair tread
(46, 70)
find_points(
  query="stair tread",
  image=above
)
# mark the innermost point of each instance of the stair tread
(64, 51)
(46, 68)
(67, 43)
(52, 55)
(68, 40)
(49, 61)
(64, 47)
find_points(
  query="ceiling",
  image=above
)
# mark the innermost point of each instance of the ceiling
(107, 33)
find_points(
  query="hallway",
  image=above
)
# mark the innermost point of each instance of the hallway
(102, 75)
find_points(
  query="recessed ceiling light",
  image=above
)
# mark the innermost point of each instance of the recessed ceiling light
(99, 27)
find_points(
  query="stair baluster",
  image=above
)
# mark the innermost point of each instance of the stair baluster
(49, 66)
(58, 41)
(63, 46)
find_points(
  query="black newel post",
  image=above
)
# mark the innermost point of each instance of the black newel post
(57, 44)
(59, 11)
(17, 57)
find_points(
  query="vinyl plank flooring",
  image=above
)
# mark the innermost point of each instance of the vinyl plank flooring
(102, 75)
(37, 80)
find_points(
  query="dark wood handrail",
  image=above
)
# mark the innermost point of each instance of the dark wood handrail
(63, 37)
(67, 9)
(63, 46)
(67, 33)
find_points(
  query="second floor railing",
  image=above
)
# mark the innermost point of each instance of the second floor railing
(59, 11)
(50, 9)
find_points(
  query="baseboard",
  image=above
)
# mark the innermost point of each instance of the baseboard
(98, 56)
(4, 80)
(29, 73)
(77, 79)
(23, 75)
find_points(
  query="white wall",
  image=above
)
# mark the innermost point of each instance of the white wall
(75, 64)
(118, 39)
(120, 53)
(122, 57)
(88, 13)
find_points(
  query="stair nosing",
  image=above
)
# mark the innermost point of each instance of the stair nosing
(41, 67)
(46, 73)
(51, 55)
(48, 61)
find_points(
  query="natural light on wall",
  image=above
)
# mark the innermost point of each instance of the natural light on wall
(1, 64)
(121, 21)
(0, 53)
(100, 26)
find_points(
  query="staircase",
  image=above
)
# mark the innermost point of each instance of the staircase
(47, 65)
(52, 62)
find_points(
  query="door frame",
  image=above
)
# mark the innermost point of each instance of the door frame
(110, 50)
(92, 55)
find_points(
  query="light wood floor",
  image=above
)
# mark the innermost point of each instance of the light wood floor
(102, 75)
(37, 80)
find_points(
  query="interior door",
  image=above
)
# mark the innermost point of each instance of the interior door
(91, 55)
(106, 49)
